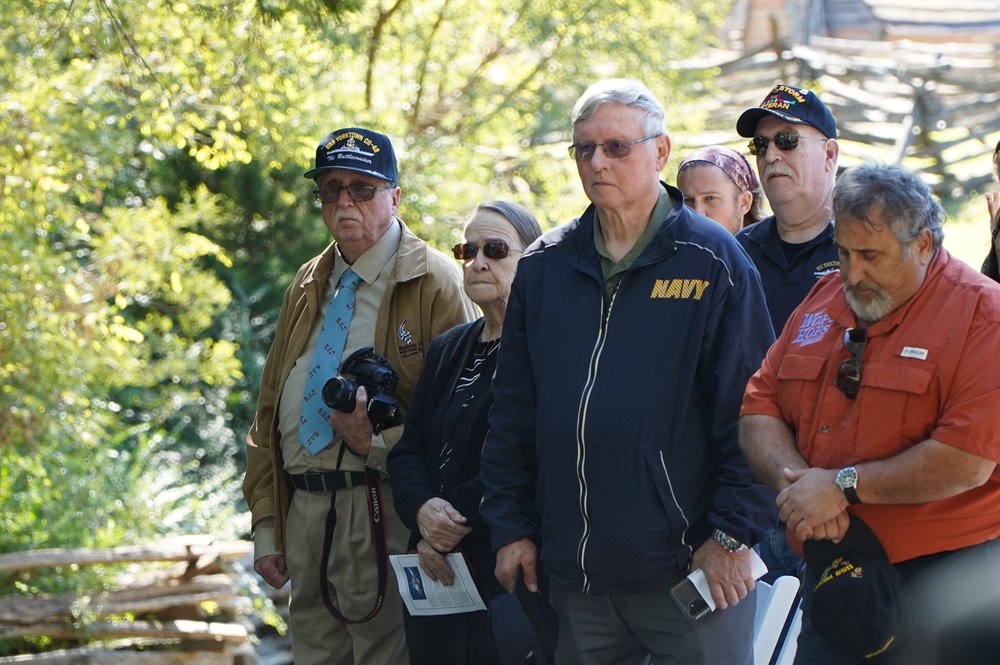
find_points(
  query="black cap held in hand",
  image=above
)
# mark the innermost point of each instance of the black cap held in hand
(861, 605)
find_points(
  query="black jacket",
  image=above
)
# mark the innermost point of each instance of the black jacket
(414, 461)
(613, 435)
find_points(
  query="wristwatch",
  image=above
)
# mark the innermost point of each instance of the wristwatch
(847, 480)
(728, 542)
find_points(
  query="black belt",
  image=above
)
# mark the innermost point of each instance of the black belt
(328, 481)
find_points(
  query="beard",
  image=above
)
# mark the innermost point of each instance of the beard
(868, 309)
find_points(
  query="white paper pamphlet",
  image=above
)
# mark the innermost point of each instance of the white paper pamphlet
(423, 596)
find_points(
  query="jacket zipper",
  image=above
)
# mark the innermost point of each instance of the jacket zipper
(581, 451)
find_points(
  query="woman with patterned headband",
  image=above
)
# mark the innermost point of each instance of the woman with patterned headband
(719, 183)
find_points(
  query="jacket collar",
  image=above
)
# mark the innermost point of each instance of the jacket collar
(411, 258)
(578, 235)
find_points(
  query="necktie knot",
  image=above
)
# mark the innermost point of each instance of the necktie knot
(349, 280)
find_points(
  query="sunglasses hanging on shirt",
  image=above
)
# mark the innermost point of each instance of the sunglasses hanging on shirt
(849, 373)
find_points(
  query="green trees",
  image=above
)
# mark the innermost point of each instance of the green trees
(152, 208)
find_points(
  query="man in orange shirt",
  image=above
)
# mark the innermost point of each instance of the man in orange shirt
(881, 400)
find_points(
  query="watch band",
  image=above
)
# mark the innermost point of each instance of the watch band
(852, 495)
(728, 542)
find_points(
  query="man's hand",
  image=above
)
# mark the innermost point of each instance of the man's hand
(355, 426)
(813, 506)
(728, 573)
(441, 525)
(434, 564)
(520, 552)
(272, 569)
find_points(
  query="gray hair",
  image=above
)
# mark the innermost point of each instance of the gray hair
(519, 217)
(628, 92)
(903, 199)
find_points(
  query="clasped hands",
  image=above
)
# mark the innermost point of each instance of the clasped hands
(442, 527)
(813, 506)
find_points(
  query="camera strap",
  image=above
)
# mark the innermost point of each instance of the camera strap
(377, 523)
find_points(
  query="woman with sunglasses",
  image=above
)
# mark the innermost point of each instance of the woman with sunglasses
(991, 266)
(434, 468)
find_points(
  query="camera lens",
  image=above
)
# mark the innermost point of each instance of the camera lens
(340, 394)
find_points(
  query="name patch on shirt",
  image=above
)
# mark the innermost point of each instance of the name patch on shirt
(812, 328)
(684, 289)
(913, 352)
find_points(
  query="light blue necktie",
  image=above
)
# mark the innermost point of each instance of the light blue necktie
(315, 432)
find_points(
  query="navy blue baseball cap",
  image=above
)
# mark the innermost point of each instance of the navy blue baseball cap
(525, 627)
(861, 604)
(795, 105)
(356, 149)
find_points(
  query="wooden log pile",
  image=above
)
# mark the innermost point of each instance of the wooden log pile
(185, 613)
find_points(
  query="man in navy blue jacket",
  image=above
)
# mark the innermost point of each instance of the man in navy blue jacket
(612, 461)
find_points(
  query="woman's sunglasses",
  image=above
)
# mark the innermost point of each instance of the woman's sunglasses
(494, 249)
(783, 140)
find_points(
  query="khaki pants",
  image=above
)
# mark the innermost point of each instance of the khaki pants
(317, 637)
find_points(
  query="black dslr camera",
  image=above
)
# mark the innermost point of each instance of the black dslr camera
(379, 379)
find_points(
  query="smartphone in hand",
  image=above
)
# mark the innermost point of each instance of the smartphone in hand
(689, 599)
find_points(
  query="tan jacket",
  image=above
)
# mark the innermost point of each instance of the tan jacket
(424, 298)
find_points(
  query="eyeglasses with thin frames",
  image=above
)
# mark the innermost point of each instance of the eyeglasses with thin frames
(358, 191)
(849, 373)
(615, 148)
(494, 249)
(784, 141)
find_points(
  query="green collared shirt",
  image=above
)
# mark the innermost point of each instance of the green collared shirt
(614, 270)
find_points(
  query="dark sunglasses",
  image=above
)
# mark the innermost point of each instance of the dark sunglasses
(849, 374)
(615, 148)
(358, 191)
(494, 249)
(782, 140)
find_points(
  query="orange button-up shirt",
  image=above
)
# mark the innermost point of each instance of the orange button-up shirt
(930, 370)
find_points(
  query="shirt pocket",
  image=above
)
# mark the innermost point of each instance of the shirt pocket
(897, 406)
(799, 384)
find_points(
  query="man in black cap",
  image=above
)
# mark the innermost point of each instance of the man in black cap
(794, 138)
(322, 516)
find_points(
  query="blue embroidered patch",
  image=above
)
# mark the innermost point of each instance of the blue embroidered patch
(812, 329)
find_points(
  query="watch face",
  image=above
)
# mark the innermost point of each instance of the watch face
(847, 477)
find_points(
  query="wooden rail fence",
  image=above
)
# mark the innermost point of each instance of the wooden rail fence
(186, 613)
(935, 105)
